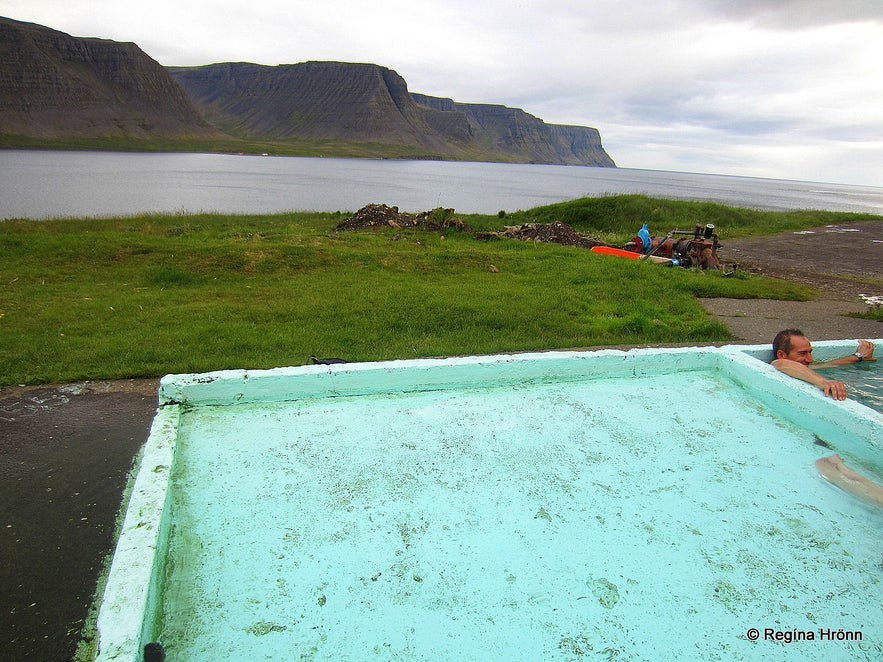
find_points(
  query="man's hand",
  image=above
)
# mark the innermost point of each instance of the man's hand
(866, 349)
(833, 388)
(830, 387)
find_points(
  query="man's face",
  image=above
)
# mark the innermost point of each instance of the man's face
(801, 350)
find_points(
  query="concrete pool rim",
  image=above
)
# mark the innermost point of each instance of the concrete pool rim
(131, 591)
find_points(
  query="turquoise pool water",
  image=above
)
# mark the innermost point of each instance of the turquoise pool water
(864, 382)
(658, 511)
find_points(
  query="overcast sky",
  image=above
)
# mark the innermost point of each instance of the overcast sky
(789, 89)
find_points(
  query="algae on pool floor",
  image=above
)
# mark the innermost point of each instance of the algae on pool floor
(509, 523)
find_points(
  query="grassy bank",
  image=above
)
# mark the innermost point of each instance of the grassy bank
(149, 295)
(620, 216)
(230, 145)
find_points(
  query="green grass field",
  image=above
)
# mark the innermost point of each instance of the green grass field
(150, 295)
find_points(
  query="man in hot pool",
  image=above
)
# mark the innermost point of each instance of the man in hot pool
(793, 353)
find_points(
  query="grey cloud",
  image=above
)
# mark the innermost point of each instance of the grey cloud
(797, 14)
(703, 85)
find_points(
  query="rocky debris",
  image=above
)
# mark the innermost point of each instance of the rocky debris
(378, 216)
(557, 232)
(381, 216)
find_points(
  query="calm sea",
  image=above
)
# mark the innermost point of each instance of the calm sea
(49, 184)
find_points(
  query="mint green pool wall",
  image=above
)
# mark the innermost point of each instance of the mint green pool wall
(130, 612)
(130, 604)
(854, 425)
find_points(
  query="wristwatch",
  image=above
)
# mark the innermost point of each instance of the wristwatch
(859, 356)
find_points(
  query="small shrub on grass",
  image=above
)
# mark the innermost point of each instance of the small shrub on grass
(875, 312)
(171, 277)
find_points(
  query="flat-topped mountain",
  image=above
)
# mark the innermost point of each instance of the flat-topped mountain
(367, 103)
(511, 130)
(59, 91)
(53, 85)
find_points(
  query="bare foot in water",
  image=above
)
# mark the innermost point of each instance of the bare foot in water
(834, 469)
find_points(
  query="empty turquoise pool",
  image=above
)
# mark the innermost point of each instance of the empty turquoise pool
(644, 505)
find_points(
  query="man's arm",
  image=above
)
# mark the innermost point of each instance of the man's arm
(834, 469)
(832, 387)
(865, 350)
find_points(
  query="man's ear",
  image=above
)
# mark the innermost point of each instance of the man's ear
(781, 354)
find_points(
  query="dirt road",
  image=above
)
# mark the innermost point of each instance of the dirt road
(842, 261)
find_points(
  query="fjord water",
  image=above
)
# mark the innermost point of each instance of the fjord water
(48, 184)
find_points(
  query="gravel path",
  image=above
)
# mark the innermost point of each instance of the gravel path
(842, 261)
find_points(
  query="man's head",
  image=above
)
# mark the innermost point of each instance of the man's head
(793, 345)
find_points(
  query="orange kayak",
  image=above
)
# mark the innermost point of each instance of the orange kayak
(610, 250)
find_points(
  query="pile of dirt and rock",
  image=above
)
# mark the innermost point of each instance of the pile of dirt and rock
(378, 215)
(556, 232)
(381, 216)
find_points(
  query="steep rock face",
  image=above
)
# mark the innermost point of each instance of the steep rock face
(581, 141)
(371, 104)
(55, 85)
(512, 130)
(315, 100)
(443, 117)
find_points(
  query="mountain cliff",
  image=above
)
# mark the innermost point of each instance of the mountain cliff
(362, 102)
(512, 130)
(371, 104)
(59, 90)
(54, 85)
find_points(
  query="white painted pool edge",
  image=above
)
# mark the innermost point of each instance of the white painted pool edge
(123, 626)
(279, 384)
(130, 588)
(749, 365)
